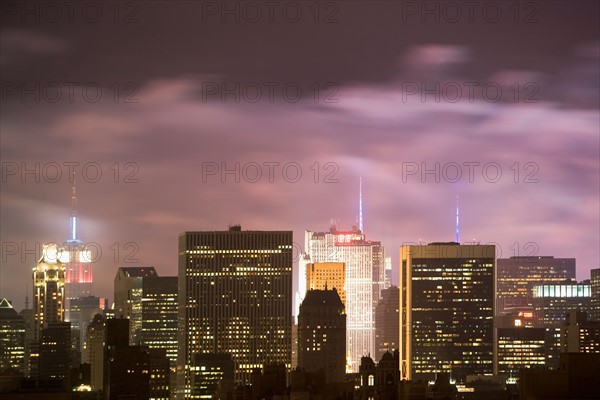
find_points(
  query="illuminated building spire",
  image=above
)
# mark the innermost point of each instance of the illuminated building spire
(360, 208)
(73, 212)
(457, 233)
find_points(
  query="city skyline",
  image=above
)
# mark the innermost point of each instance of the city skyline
(108, 249)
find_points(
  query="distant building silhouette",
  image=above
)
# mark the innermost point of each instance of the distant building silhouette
(128, 297)
(55, 352)
(387, 321)
(12, 338)
(322, 335)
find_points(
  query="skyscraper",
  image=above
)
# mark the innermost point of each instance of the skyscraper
(235, 296)
(77, 260)
(387, 322)
(520, 347)
(553, 302)
(12, 338)
(327, 275)
(322, 335)
(517, 276)
(128, 297)
(82, 311)
(94, 350)
(364, 260)
(446, 310)
(55, 351)
(159, 315)
(579, 335)
(48, 289)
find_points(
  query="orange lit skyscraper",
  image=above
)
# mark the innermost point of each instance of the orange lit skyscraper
(327, 275)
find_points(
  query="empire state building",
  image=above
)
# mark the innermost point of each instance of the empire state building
(77, 259)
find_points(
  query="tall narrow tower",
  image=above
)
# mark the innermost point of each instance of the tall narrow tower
(77, 260)
(360, 207)
(457, 231)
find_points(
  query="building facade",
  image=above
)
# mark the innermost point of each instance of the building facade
(235, 297)
(128, 297)
(12, 338)
(520, 347)
(579, 335)
(516, 277)
(387, 321)
(327, 275)
(94, 351)
(553, 302)
(55, 352)
(159, 315)
(446, 310)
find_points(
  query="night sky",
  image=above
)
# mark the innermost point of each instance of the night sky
(161, 121)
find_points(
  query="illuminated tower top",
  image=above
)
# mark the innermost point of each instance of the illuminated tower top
(73, 220)
(457, 232)
(360, 208)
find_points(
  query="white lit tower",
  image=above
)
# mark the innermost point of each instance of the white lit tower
(365, 278)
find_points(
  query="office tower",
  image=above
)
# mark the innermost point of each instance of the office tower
(595, 282)
(516, 277)
(364, 260)
(519, 347)
(77, 260)
(128, 297)
(48, 289)
(159, 315)
(553, 302)
(82, 311)
(212, 373)
(327, 275)
(235, 296)
(322, 335)
(446, 310)
(387, 321)
(94, 350)
(12, 338)
(55, 352)
(579, 335)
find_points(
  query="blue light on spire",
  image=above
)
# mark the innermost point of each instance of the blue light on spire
(457, 233)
